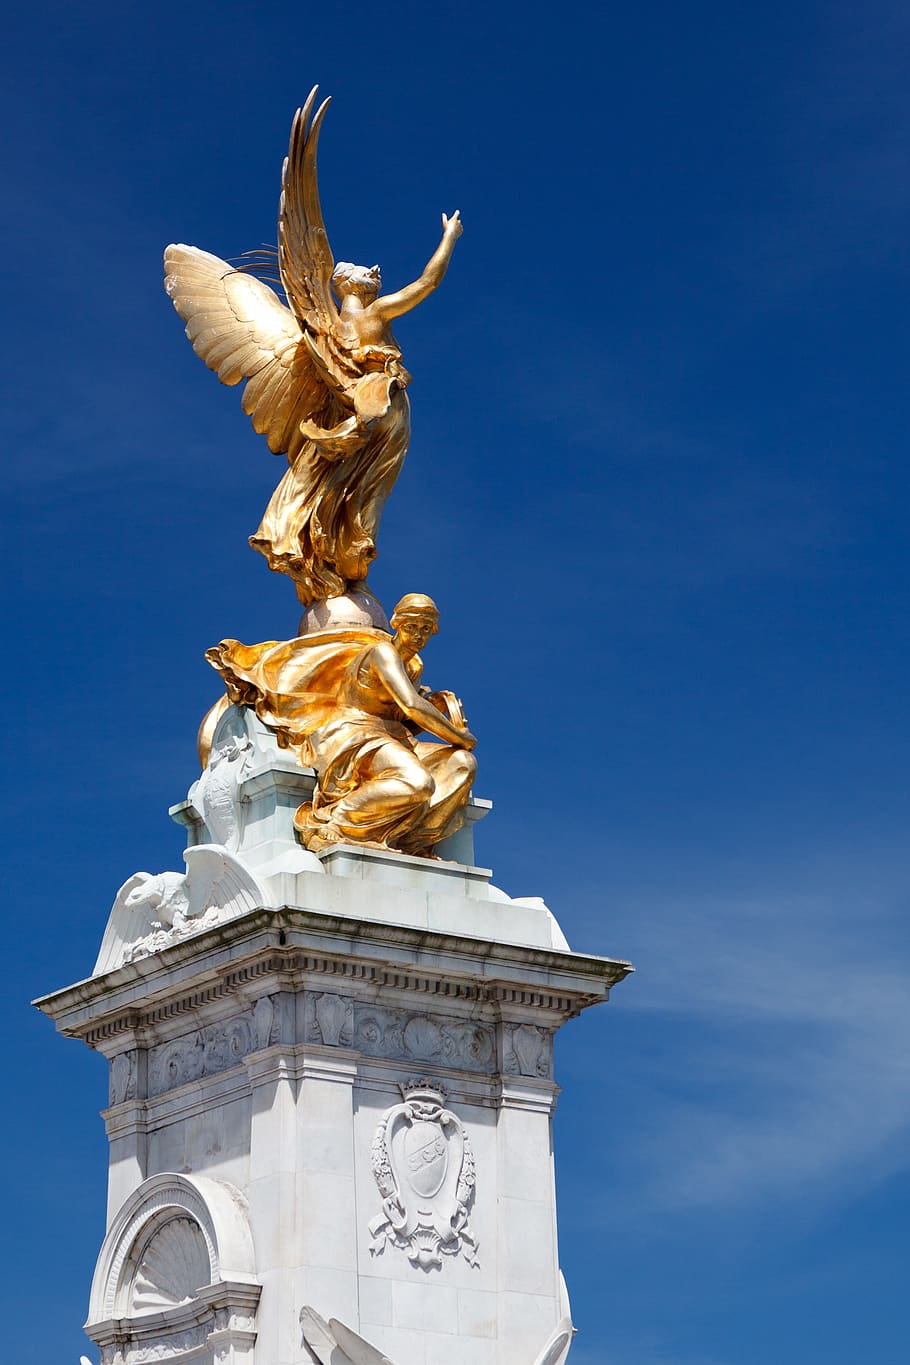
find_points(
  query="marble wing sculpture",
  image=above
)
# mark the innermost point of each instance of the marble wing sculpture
(152, 910)
(335, 1344)
(324, 385)
(215, 877)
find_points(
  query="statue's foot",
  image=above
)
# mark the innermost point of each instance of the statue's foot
(317, 838)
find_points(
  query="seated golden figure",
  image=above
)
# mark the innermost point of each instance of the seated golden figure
(350, 703)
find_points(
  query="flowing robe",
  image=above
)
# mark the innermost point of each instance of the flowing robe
(321, 524)
(378, 784)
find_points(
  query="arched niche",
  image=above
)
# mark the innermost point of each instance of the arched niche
(176, 1276)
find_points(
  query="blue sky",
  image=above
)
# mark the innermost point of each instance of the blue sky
(658, 486)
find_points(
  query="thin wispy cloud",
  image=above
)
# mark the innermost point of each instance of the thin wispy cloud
(797, 1072)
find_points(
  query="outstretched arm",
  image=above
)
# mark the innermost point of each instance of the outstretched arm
(391, 673)
(393, 305)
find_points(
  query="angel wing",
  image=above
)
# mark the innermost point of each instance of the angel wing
(335, 1344)
(305, 260)
(242, 330)
(297, 370)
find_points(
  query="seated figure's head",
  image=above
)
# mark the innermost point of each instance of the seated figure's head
(363, 280)
(415, 619)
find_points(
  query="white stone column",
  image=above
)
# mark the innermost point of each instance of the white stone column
(528, 1254)
(326, 1185)
(125, 1122)
(273, 1197)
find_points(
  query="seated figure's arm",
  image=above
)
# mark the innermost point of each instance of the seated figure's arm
(393, 305)
(390, 671)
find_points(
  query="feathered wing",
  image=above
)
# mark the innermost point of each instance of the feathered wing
(360, 1351)
(128, 923)
(301, 378)
(335, 1344)
(243, 331)
(305, 260)
(216, 877)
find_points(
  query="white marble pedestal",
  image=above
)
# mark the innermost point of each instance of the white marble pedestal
(341, 1099)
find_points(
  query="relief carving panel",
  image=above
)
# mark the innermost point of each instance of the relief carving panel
(123, 1081)
(400, 1034)
(527, 1051)
(423, 1165)
(206, 1052)
(167, 1347)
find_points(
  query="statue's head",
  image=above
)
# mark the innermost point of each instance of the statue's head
(415, 619)
(363, 280)
(146, 890)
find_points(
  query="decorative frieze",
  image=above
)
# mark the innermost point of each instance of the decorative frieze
(123, 1078)
(167, 1347)
(556, 984)
(220, 1046)
(400, 1034)
(376, 1031)
(331, 1020)
(206, 1052)
(527, 1051)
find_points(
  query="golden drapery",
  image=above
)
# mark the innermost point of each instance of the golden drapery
(378, 784)
(321, 523)
(323, 374)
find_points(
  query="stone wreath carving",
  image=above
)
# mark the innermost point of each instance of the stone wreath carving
(423, 1165)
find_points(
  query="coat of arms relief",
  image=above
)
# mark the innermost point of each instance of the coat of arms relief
(424, 1166)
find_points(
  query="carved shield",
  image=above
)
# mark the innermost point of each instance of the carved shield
(426, 1158)
(424, 1167)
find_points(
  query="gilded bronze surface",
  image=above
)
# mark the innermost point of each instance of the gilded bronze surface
(349, 702)
(325, 385)
(325, 382)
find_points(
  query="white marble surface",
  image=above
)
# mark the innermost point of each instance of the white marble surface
(243, 853)
(257, 1056)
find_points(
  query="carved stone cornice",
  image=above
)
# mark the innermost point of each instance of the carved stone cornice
(289, 949)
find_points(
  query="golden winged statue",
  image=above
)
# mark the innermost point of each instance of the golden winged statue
(325, 383)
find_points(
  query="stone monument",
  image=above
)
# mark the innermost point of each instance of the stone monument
(330, 1036)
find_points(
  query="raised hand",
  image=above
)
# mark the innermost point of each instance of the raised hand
(453, 226)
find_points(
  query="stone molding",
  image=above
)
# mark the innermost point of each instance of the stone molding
(288, 942)
(362, 1028)
(219, 1210)
(291, 944)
